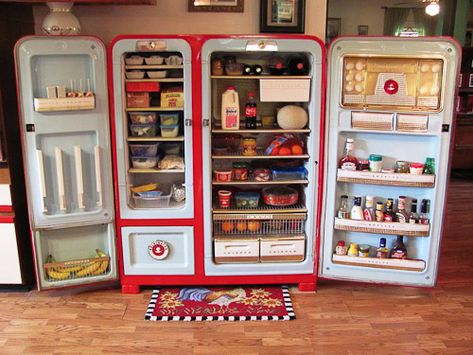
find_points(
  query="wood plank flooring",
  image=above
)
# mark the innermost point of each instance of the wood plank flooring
(341, 318)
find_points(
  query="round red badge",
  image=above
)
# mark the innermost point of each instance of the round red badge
(391, 87)
(158, 249)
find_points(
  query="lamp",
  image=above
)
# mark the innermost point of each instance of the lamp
(61, 20)
(433, 8)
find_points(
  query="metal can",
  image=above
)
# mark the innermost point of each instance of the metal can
(240, 171)
(364, 251)
(401, 167)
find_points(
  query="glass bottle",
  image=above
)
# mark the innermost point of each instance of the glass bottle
(356, 210)
(257, 69)
(389, 215)
(401, 215)
(348, 161)
(250, 111)
(343, 210)
(429, 166)
(341, 248)
(379, 212)
(399, 250)
(353, 250)
(368, 212)
(424, 212)
(382, 251)
(413, 216)
(247, 69)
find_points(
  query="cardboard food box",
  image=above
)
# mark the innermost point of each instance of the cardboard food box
(137, 99)
(172, 97)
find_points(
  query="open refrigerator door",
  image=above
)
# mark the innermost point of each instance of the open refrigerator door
(390, 109)
(62, 89)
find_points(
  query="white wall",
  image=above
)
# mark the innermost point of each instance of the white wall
(172, 17)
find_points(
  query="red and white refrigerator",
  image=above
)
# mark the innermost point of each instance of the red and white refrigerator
(207, 196)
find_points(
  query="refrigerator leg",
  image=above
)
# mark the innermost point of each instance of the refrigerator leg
(130, 289)
(307, 286)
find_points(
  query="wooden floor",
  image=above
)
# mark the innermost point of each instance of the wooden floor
(340, 318)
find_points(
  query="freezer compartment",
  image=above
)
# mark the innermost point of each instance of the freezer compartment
(75, 256)
(158, 250)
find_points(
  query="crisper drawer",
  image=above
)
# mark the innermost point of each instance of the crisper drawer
(236, 250)
(282, 249)
(9, 258)
(158, 250)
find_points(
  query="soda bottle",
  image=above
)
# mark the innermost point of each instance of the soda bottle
(250, 111)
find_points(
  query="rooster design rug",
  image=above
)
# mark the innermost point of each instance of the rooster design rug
(218, 303)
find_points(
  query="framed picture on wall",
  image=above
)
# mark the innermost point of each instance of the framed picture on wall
(334, 26)
(215, 5)
(283, 16)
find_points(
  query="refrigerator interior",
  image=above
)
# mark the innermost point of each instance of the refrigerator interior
(153, 117)
(65, 138)
(398, 107)
(260, 239)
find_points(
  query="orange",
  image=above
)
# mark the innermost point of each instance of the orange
(253, 226)
(227, 226)
(275, 151)
(241, 226)
(284, 151)
(296, 149)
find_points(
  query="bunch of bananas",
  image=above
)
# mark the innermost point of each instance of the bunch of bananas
(92, 268)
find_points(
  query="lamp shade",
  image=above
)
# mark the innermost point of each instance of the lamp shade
(432, 9)
(60, 20)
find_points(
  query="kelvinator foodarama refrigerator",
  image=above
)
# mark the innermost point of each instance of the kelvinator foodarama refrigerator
(205, 193)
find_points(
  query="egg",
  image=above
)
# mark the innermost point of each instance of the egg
(423, 90)
(359, 66)
(349, 66)
(434, 91)
(359, 77)
(358, 88)
(349, 77)
(435, 68)
(349, 87)
(424, 68)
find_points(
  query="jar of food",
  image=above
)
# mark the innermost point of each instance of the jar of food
(363, 165)
(223, 175)
(401, 167)
(416, 168)
(240, 171)
(353, 250)
(249, 146)
(376, 163)
(341, 248)
(262, 175)
(364, 251)
(217, 66)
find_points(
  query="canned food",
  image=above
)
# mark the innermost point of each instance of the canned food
(249, 146)
(240, 171)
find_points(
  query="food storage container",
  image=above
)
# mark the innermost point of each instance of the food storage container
(297, 173)
(161, 201)
(154, 60)
(143, 130)
(224, 198)
(169, 119)
(240, 171)
(223, 175)
(262, 175)
(144, 162)
(364, 250)
(134, 60)
(234, 69)
(135, 74)
(220, 151)
(143, 117)
(376, 163)
(173, 60)
(137, 99)
(157, 74)
(172, 148)
(170, 131)
(144, 150)
(416, 168)
(280, 196)
(246, 199)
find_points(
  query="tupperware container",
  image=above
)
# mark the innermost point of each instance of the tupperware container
(296, 173)
(171, 148)
(135, 74)
(161, 201)
(280, 196)
(144, 150)
(143, 130)
(169, 131)
(143, 117)
(144, 162)
(154, 60)
(169, 119)
(134, 60)
(246, 199)
(157, 74)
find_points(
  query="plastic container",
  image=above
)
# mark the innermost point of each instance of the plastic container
(262, 175)
(169, 119)
(280, 196)
(173, 60)
(152, 202)
(416, 168)
(134, 60)
(376, 163)
(282, 174)
(144, 150)
(143, 130)
(135, 74)
(230, 114)
(157, 74)
(143, 117)
(170, 131)
(144, 162)
(246, 199)
(224, 198)
(171, 148)
(154, 60)
(223, 175)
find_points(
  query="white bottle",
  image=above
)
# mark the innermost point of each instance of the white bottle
(230, 109)
(356, 210)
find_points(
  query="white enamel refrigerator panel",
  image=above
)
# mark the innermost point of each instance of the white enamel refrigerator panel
(9, 258)
(400, 105)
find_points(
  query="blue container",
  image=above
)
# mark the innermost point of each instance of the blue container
(283, 174)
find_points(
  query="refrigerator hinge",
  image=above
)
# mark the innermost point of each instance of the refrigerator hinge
(205, 122)
(188, 122)
(445, 128)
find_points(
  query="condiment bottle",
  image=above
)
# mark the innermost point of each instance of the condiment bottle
(368, 212)
(230, 109)
(343, 210)
(341, 248)
(424, 212)
(429, 166)
(389, 215)
(353, 250)
(401, 214)
(399, 250)
(364, 251)
(413, 216)
(250, 111)
(356, 210)
(376, 163)
(348, 161)
(382, 251)
(379, 212)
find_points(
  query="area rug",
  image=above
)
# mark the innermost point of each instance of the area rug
(220, 303)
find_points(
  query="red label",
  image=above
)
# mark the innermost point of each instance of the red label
(231, 117)
(250, 112)
(391, 87)
(158, 250)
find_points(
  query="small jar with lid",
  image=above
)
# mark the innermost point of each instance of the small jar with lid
(240, 171)
(376, 163)
(363, 165)
(249, 146)
(341, 248)
(401, 167)
(353, 250)
(364, 251)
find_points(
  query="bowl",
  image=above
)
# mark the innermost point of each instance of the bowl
(157, 74)
(135, 74)
(173, 60)
(134, 60)
(280, 196)
(154, 60)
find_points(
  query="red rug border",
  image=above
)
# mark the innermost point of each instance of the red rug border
(287, 303)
